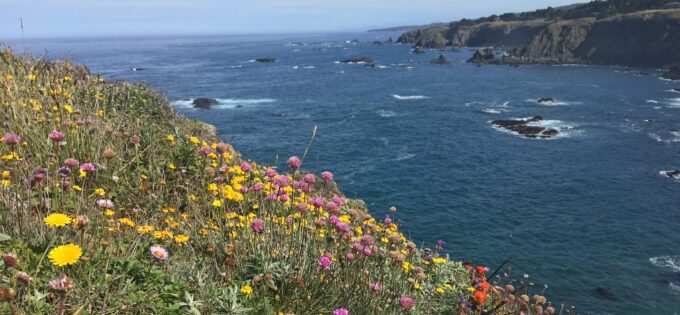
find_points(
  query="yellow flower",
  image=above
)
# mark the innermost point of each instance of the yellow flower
(109, 213)
(171, 166)
(439, 290)
(143, 229)
(83, 174)
(6, 174)
(76, 188)
(57, 219)
(471, 289)
(194, 140)
(68, 108)
(6, 182)
(247, 290)
(65, 255)
(181, 239)
(171, 138)
(100, 192)
(127, 222)
(406, 266)
(416, 286)
(217, 203)
(439, 260)
(31, 77)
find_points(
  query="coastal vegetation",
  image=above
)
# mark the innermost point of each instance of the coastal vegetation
(112, 203)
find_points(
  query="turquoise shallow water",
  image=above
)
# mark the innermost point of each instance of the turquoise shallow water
(583, 211)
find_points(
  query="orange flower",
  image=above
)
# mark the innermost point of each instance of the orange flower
(479, 298)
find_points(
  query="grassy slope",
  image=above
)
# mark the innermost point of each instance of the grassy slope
(173, 185)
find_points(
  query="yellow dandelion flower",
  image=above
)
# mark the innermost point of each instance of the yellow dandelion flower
(171, 166)
(406, 266)
(247, 290)
(439, 290)
(439, 260)
(181, 239)
(109, 213)
(217, 203)
(127, 222)
(100, 192)
(76, 188)
(171, 138)
(57, 220)
(194, 140)
(65, 255)
(6, 174)
(143, 229)
(6, 182)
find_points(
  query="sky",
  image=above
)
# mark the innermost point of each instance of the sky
(88, 18)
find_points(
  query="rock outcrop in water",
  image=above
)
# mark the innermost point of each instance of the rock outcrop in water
(265, 60)
(441, 60)
(482, 55)
(544, 100)
(357, 60)
(639, 39)
(671, 174)
(672, 73)
(524, 127)
(204, 102)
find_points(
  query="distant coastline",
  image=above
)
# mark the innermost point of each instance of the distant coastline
(641, 34)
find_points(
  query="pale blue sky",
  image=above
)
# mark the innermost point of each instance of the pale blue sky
(72, 18)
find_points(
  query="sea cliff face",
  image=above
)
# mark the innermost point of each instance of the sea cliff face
(640, 39)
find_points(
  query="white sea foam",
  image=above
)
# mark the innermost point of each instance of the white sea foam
(382, 67)
(553, 103)
(674, 137)
(409, 97)
(652, 101)
(672, 91)
(227, 102)
(667, 262)
(673, 102)
(675, 287)
(385, 113)
(405, 156)
(492, 111)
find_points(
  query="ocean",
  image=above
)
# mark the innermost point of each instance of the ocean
(585, 213)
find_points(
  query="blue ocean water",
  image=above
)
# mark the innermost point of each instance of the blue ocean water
(583, 211)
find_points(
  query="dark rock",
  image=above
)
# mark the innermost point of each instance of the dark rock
(238, 106)
(671, 174)
(204, 102)
(482, 55)
(377, 42)
(265, 60)
(439, 61)
(604, 293)
(522, 127)
(672, 73)
(418, 50)
(358, 60)
(389, 41)
(676, 90)
(370, 65)
(354, 41)
(546, 100)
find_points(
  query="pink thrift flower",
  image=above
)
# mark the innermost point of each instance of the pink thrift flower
(72, 163)
(406, 302)
(388, 220)
(281, 181)
(319, 202)
(375, 287)
(87, 167)
(340, 311)
(333, 220)
(350, 256)
(328, 176)
(294, 162)
(310, 178)
(338, 201)
(11, 139)
(56, 136)
(104, 203)
(325, 262)
(245, 166)
(343, 228)
(270, 172)
(258, 187)
(368, 251)
(257, 225)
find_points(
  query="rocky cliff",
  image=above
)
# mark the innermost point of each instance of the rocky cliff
(641, 39)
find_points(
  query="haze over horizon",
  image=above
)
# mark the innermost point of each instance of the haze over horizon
(82, 18)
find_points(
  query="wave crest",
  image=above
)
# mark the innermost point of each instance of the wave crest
(409, 97)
